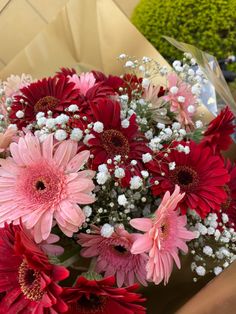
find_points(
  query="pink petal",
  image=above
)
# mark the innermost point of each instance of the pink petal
(78, 161)
(64, 152)
(142, 244)
(46, 224)
(47, 147)
(85, 198)
(142, 224)
(16, 155)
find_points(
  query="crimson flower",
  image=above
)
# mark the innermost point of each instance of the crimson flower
(113, 81)
(115, 139)
(218, 133)
(53, 93)
(200, 174)
(101, 297)
(229, 207)
(28, 282)
(127, 84)
(66, 72)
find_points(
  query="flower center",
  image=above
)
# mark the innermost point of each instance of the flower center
(29, 280)
(46, 103)
(40, 185)
(115, 143)
(185, 177)
(120, 249)
(164, 229)
(93, 304)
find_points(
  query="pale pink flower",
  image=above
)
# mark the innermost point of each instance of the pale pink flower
(83, 82)
(15, 82)
(41, 182)
(6, 138)
(152, 94)
(181, 99)
(114, 256)
(165, 234)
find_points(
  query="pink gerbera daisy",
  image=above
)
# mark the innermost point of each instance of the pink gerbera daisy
(83, 82)
(182, 101)
(114, 256)
(41, 182)
(164, 235)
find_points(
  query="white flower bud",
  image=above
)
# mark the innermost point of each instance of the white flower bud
(122, 200)
(60, 135)
(98, 127)
(107, 230)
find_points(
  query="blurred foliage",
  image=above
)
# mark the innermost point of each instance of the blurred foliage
(208, 24)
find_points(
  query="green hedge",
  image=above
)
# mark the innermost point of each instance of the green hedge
(208, 24)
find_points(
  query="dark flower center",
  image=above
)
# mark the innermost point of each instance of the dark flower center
(120, 249)
(90, 305)
(29, 280)
(165, 229)
(115, 143)
(45, 104)
(185, 177)
(40, 185)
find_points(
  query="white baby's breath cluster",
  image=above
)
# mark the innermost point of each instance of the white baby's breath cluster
(214, 248)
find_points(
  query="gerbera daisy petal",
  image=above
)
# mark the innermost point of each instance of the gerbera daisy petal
(141, 224)
(77, 162)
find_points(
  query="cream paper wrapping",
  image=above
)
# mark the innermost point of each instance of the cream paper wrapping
(90, 34)
(86, 35)
(21, 21)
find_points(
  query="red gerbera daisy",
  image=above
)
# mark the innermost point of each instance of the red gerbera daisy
(217, 135)
(101, 297)
(125, 85)
(54, 94)
(229, 207)
(200, 174)
(115, 82)
(28, 282)
(115, 140)
(66, 72)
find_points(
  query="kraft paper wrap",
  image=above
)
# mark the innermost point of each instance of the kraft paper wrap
(86, 34)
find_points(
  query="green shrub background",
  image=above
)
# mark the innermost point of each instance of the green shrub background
(208, 24)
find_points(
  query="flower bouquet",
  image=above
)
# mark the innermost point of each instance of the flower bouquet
(105, 182)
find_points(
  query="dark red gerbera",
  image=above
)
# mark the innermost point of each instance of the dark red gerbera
(115, 139)
(125, 85)
(66, 72)
(28, 282)
(53, 93)
(200, 174)
(94, 95)
(101, 297)
(114, 82)
(219, 131)
(229, 207)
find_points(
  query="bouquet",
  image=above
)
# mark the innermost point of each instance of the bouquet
(105, 182)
